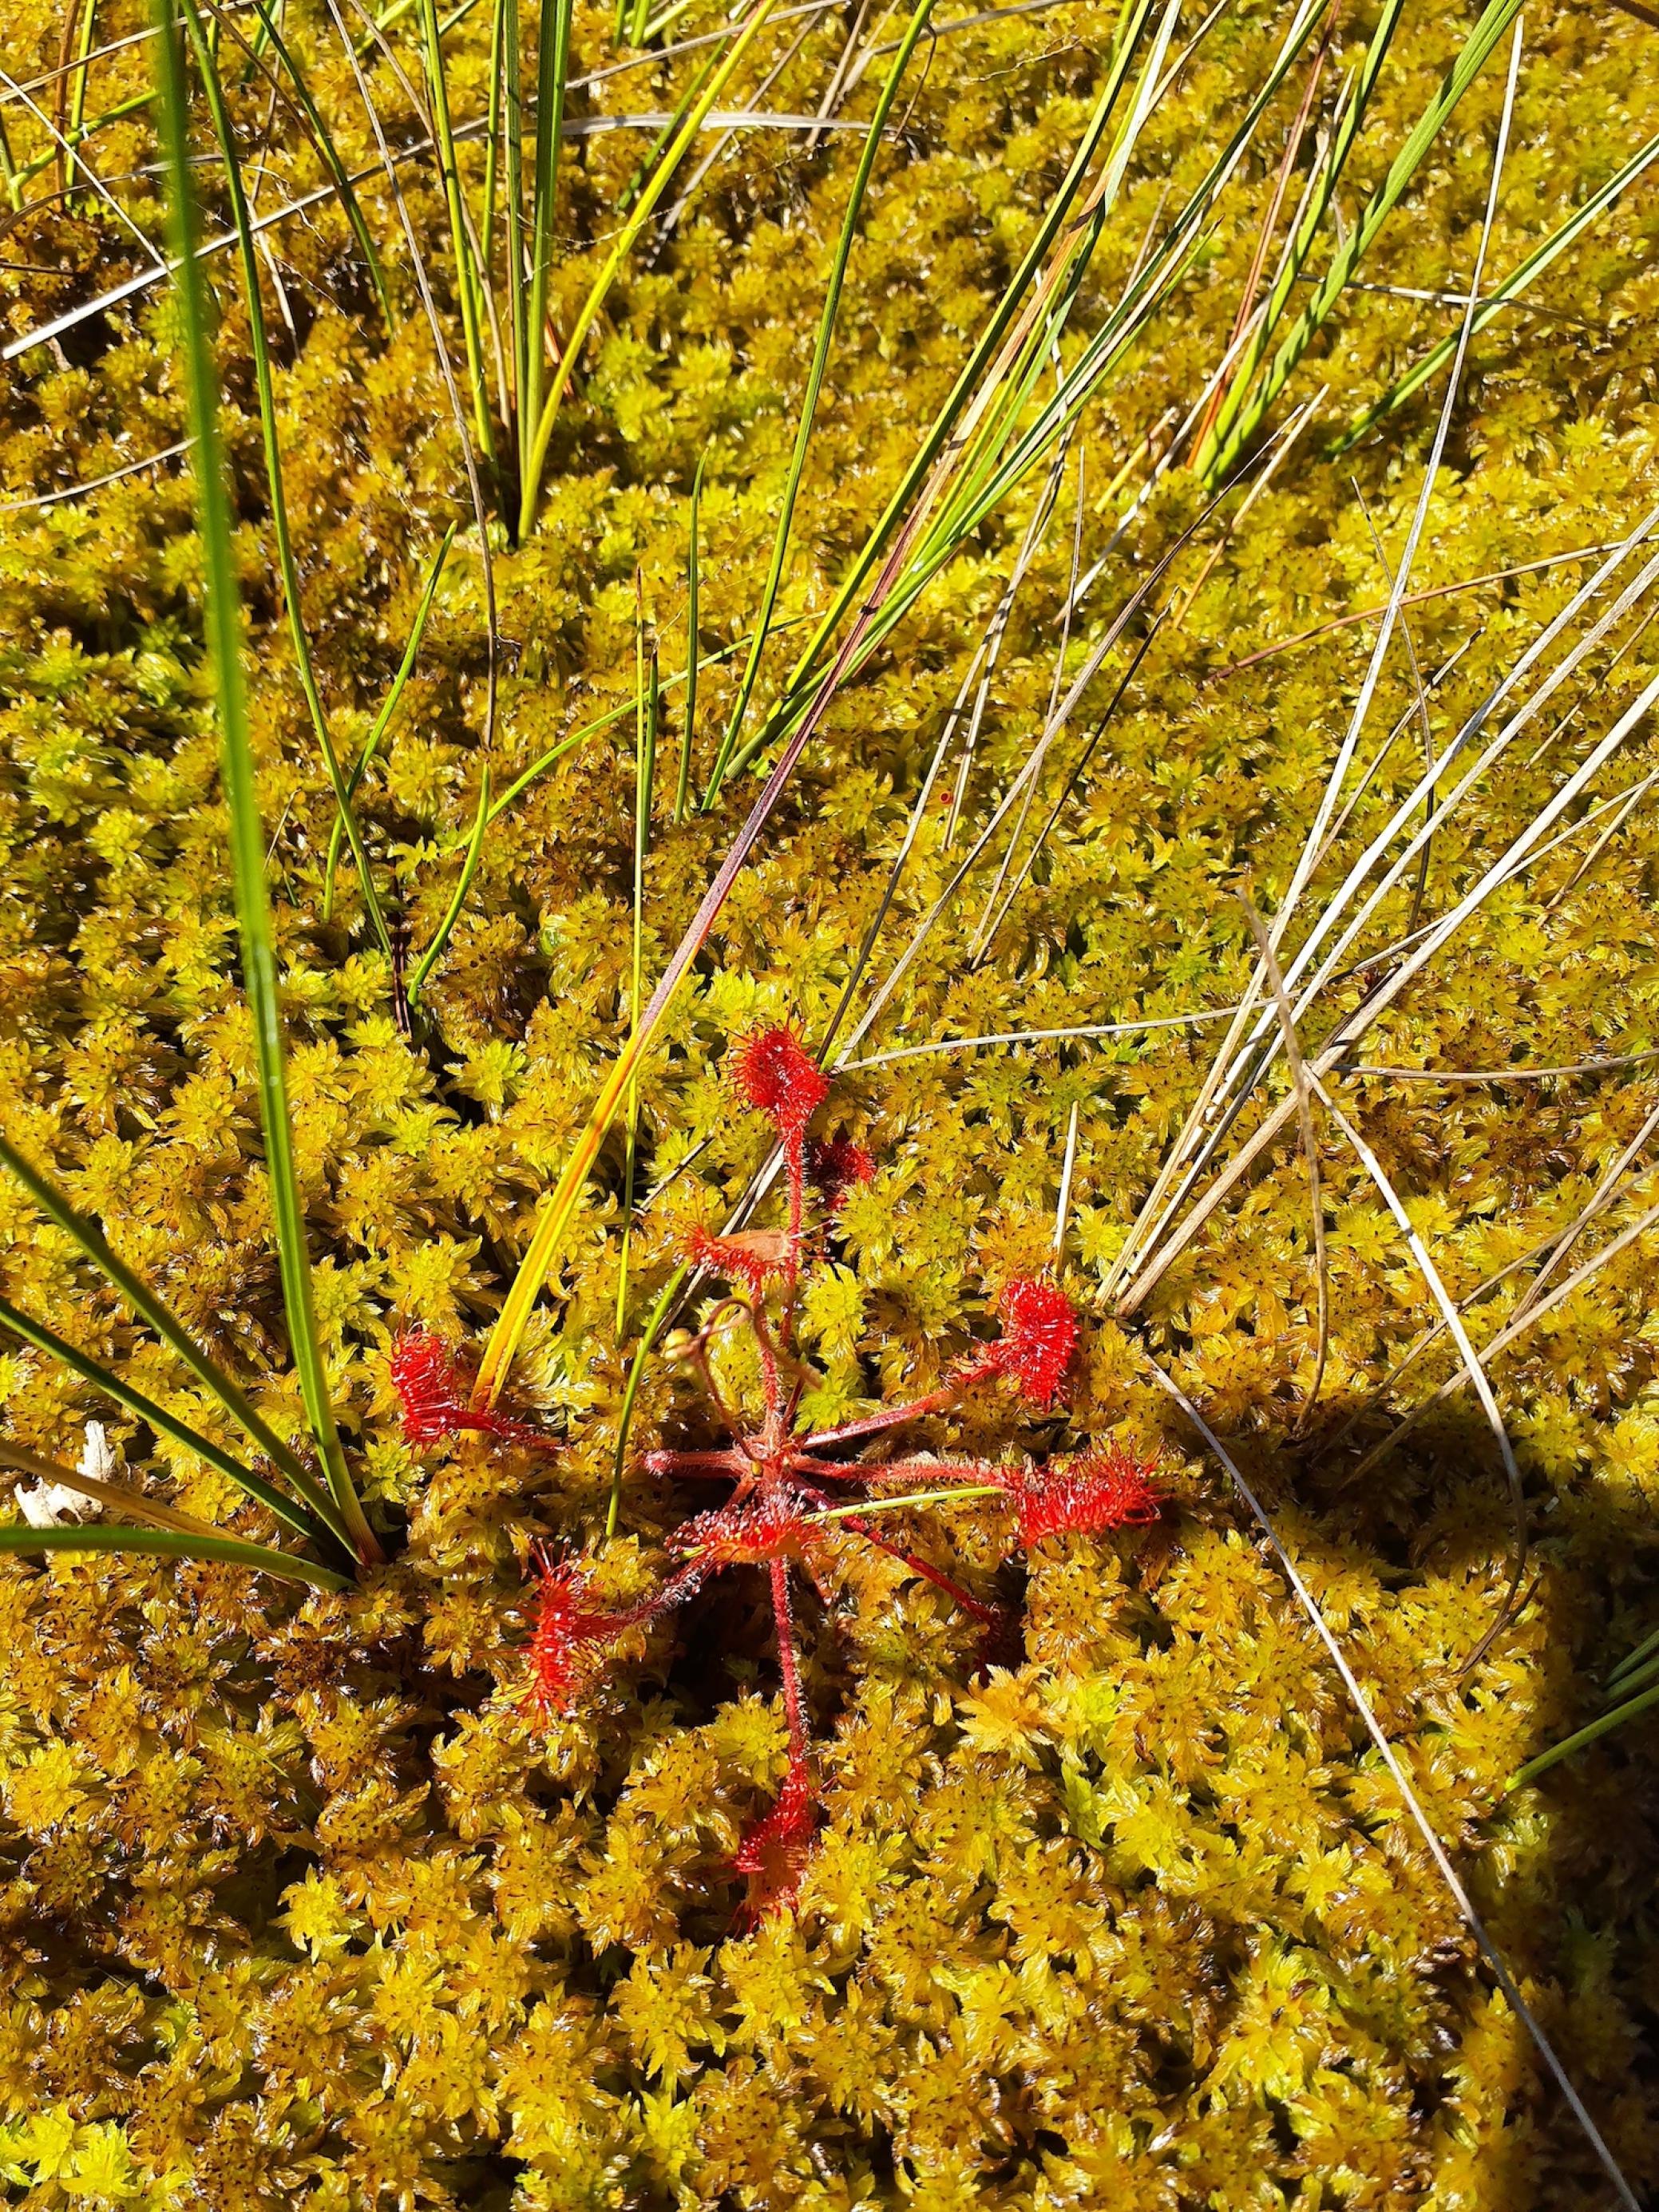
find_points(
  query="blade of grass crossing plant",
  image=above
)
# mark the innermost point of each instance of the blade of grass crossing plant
(1635, 1659)
(552, 73)
(388, 707)
(645, 771)
(901, 61)
(433, 953)
(324, 140)
(1582, 1738)
(114, 1386)
(1495, 20)
(266, 390)
(659, 1314)
(468, 276)
(144, 1302)
(693, 587)
(654, 152)
(223, 612)
(638, 217)
(1633, 1679)
(172, 1544)
(1503, 295)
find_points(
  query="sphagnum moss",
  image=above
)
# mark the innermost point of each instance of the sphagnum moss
(299, 1910)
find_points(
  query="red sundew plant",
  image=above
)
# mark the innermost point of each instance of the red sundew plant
(783, 1504)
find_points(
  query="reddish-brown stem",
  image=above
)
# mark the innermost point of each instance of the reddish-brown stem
(724, 1466)
(787, 1664)
(891, 1416)
(794, 1169)
(937, 1473)
(771, 1381)
(976, 1607)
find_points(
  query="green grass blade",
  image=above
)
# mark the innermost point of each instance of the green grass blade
(248, 841)
(1633, 1660)
(1137, 14)
(659, 1314)
(468, 276)
(611, 716)
(323, 138)
(388, 709)
(665, 137)
(1300, 245)
(172, 1544)
(481, 822)
(1493, 22)
(1510, 289)
(266, 388)
(552, 71)
(145, 1302)
(621, 246)
(145, 1409)
(1578, 1742)
(693, 610)
(901, 61)
(1633, 1679)
(645, 773)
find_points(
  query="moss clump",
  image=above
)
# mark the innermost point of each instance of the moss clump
(299, 1909)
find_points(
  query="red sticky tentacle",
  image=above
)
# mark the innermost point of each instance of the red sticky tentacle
(569, 1631)
(434, 1398)
(710, 1465)
(778, 1077)
(753, 1257)
(1040, 1332)
(1100, 1489)
(974, 1608)
(1039, 1335)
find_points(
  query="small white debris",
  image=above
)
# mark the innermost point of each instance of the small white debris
(97, 1459)
(53, 1504)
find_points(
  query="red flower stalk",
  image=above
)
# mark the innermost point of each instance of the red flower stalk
(434, 1398)
(1100, 1489)
(781, 1517)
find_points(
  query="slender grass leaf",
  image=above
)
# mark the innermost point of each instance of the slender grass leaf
(1504, 294)
(247, 840)
(145, 1302)
(693, 610)
(638, 217)
(266, 388)
(901, 61)
(388, 709)
(172, 1544)
(145, 1409)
